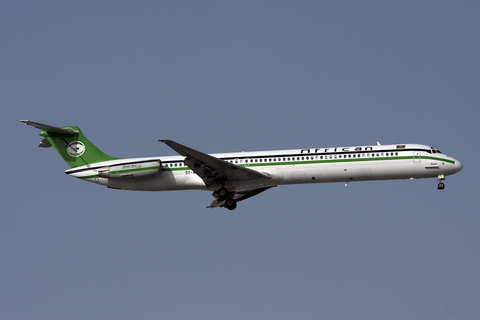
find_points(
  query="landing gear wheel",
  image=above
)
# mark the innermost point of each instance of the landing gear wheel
(230, 204)
(222, 192)
(441, 186)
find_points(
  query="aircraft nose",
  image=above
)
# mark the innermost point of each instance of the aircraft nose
(458, 166)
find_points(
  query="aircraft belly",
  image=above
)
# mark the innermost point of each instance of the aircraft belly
(342, 172)
(250, 184)
(179, 180)
(155, 183)
(193, 181)
(301, 174)
(122, 184)
(390, 170)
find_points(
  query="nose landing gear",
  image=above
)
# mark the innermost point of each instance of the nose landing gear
(441, 185)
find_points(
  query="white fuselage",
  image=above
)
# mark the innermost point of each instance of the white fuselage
(315, 165)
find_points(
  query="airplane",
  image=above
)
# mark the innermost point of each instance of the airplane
(234, 177)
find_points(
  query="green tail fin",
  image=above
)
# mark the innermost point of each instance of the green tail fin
(70, 143)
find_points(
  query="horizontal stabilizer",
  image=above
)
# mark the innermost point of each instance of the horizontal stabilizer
(48, 128)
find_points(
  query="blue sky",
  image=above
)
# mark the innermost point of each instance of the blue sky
(224, 76)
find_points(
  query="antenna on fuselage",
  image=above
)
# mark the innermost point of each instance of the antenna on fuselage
(378, 143)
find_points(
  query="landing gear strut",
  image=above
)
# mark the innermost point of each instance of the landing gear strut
(441, 185)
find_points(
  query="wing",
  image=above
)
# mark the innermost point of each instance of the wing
(211, 169)
(239, 196)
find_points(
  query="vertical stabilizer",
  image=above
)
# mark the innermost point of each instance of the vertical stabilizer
(70, 143)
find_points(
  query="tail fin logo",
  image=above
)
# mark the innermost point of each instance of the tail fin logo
(76, 149)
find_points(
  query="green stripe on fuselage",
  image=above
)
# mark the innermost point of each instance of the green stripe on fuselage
(133, 170)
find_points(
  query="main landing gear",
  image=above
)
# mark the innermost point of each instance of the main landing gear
(441, 185)
(230, 204)
(223, 194)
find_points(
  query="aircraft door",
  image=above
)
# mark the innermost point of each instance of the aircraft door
(417, 157)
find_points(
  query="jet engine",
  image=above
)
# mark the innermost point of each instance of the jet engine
(131, 170)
